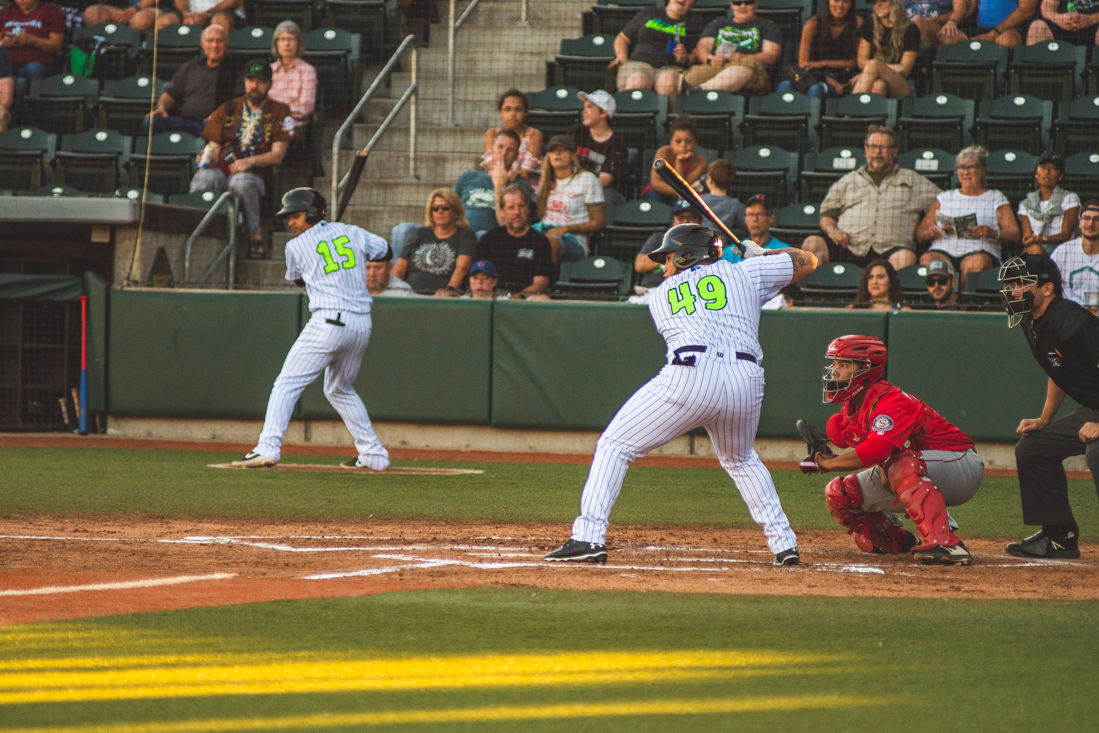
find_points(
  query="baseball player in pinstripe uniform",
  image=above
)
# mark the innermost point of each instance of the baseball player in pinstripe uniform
(707, 310)
(329, 260)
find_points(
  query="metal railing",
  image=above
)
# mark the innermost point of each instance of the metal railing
(408, 97)
(228, 201)
(452, 51)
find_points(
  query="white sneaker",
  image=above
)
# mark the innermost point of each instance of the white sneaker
(356, 463)
(254, 460)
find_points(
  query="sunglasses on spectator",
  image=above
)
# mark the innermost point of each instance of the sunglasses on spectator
(743, 2)
(937, 281)
(441, 207)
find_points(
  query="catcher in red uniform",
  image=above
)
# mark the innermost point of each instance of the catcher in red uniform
(909, 454)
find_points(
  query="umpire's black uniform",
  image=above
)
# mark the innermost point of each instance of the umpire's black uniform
(1065, 341)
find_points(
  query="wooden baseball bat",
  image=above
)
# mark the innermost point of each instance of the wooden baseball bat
(352, 179)
(670, 175)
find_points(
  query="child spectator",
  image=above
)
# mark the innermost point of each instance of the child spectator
(680, 152)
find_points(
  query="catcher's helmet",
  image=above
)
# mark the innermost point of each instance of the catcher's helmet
(303, 199)
(868, 351)
(692, 244)
(1016, 277)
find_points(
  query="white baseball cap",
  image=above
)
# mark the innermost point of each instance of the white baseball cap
(601, 99)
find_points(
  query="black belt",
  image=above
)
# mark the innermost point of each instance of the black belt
(335, 321)
(688, 355)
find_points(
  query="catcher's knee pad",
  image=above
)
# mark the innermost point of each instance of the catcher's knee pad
(843, 495)
(907, 474)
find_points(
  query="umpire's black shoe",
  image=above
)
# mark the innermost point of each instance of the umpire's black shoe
(1042, 545)
(788, 557)
(576, 551)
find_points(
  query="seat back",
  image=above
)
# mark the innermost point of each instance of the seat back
(370, 20)
(795, 222)
(1082, 175)
(1074, 129)
(983, 289)
(170, 161)
(125, 102)
(61, 103)
(115, 46)
(554, 110)
(832, 283)
(198, 199)
(24, 153)
(1047, 70)
(610, 19)
(596, 276)
(972, 69)
(716, 116)
(764, 169)
(846, 119)
(788, 119)
(1012, 172)
(1014, 121)
(583, 62)
(823, 169)
(175, 45)
(273, 12)
(334, 53)
(92, 161)
(935, 164)
(939, 120)
(639, 116)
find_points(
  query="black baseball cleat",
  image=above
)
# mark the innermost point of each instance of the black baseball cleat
(943, 555)
(788, 557)
(1041, 545)
(576, 551)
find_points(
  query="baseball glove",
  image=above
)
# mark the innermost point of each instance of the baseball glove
(817, 445)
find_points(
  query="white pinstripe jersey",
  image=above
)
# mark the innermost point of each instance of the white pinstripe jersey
(331, 258)
(719, 304)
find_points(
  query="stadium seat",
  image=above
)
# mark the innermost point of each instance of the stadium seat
(788, 119)
(583, 63)
(170, 161)
(971, 70)
(61, 103)
(795, 222)
(1012, 172)
(370, 20)
(1016, 121)
(634, 222)
(92, 161)
(939, 120)
(715, 114)
(598, 276)
(554, 110)
(175, 45)
(1074, 130)
(273, 12)
(1082, 175)
(53, 191)
(982, 289)
(844, 120)
(611, 17)
(116, 46)
(198, 199)
(134, 194)
(934, 164)
(821, 170)
(125, 102)
(24, 156)
(639, 117)
(1046, 70)
(764, 169)
(247, 43)
(914, 284)
(334, 53)
(833, 283)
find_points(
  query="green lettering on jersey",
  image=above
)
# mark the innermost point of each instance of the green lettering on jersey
(711, 291)
(672, 29)
(681, 298)
(346, 254)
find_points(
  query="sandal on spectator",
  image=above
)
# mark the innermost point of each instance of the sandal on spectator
(256, 250)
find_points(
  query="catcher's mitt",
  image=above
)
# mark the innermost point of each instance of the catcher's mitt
(817, 445)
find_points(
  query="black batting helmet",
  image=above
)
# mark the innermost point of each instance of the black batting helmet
(303, 199)
(692, 244)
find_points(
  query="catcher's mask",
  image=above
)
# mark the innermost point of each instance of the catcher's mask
(866, 352)
(303, 199)
(691, 243)
(1019, 277)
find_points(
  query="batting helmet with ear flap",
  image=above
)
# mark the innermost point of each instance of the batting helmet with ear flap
(866, 351)
(303, 199)
(691, 243)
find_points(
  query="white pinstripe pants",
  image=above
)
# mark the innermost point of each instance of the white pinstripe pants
(338, 352)
(720, 393)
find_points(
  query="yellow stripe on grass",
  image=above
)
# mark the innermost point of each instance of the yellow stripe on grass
(562, 711)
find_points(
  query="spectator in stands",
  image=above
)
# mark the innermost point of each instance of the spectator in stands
(759, 214)
(248, 136)
(196, 87)
(1066, 20)
(570, 201)
(1048, 216)
(7, 90)
(138, 14)
(872, 212)
(480, 189)
(601, 151)
(680, 152)
(32, 33)
(380, 279)
(888, 45)
(513, 107)
(1004, 22)
(970, 223)
(661, 41)
(939, 20)
(719, 177)
(293, 79)
(941, 284)
(483, 280)
(736, 52)
(229, 14)
(1078, 260)
(652, 274)
(438, 255)
(523, 257)
(829, 49)
(879, 288)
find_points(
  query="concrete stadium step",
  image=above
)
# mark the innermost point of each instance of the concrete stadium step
(477, 86)
(429, 139)
(381, 219)
(392, 165)
(267, 274)
(541, 13)
(435, 112)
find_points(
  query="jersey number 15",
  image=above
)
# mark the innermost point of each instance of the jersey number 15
(346, 254)
(710, 290)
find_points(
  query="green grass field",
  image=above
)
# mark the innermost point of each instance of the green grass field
(517, 658)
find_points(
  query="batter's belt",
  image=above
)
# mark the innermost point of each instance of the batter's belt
(688, 355)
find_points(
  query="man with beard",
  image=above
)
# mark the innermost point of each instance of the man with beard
(872, 212)
(246, 136)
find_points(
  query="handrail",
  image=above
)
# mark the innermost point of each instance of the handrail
(338, 184)
(229, 200)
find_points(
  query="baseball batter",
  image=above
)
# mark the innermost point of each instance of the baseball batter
(907, 452)
(707, 310)
(329, 259)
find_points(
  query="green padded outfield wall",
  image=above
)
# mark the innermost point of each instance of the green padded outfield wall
(98, 292)
(197, 354)
(429, 360)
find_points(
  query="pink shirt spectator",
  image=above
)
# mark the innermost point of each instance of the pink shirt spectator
(295, 86)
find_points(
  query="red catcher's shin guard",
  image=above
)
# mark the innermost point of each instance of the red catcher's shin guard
(872, 532)
(922, 500)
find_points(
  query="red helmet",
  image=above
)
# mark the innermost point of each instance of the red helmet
(868, 351)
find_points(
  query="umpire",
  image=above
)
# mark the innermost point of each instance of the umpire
(1064, 338)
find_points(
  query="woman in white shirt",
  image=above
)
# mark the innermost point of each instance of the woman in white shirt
(970, 223)
(1048, 216)
(570, 201)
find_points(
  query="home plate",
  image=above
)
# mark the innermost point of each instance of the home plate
(329, 468)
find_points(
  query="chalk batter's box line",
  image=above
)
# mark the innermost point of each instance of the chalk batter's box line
(325, 467)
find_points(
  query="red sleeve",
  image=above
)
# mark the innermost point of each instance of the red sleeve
(895, 416)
